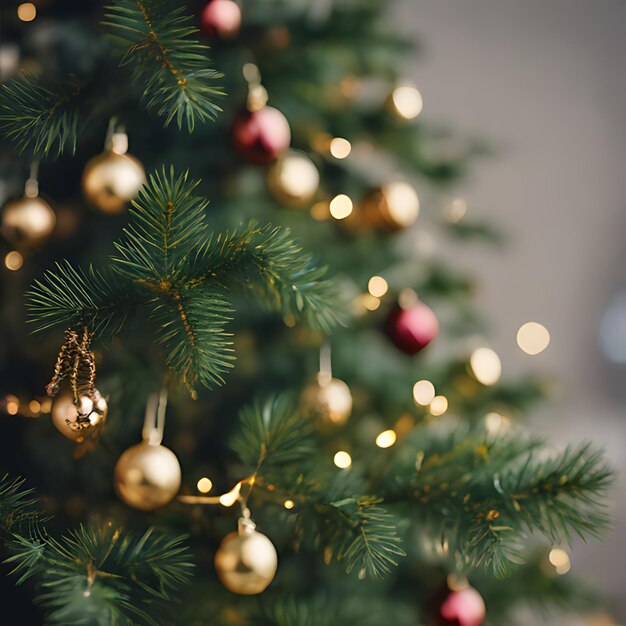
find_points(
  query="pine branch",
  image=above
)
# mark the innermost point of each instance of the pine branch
(95, 575)
(70, 297)
(372, 544)
(40, 114)
(482, 498)
(275, 432)
(158, 44)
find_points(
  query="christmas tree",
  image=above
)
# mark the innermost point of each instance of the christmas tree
(269, 399)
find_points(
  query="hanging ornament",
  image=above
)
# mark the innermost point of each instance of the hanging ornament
(221, 19)
(390, 208)
(78, 412)
(293, 180)
(246, 560)
(327, 398)
(113, 178)
(405, 101)
(411, 325)
(464, 607)
(261, 133)
(79, 418)
(28, 221)
(148, 475)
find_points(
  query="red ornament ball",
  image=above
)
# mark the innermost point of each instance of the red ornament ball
(412, 329)
(462, 608)
(261, 136)
(221, 18)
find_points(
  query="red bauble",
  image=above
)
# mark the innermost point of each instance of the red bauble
(462, 608)
(261, 136)
(413, 328)
(221, 18)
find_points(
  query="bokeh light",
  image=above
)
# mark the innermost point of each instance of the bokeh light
(377, 286)
(289, 504)
(340, 148)
(533, 338)
(13, 260)
(27, 11)
(561, 561)
(342, 459)
(423, 392)
(341, 206)
(485, 366)
(204, 485)
(386, 439)
(407, 101)
(439, 405)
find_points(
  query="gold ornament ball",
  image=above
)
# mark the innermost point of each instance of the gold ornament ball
(27, 221)
(78, 423)
(293, 180)
(111, 180)
(246, 562)
(393, 207)
(329, 400)
(147, 476)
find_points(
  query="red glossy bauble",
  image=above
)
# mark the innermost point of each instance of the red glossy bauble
(413, 328)
(261, 136)
(221, 18)
(465, 607)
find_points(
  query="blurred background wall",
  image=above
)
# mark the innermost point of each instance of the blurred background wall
(544, 82)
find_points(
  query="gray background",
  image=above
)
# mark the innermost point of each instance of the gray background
(544, 81)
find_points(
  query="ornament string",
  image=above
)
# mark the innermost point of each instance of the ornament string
(31, 187)
(325, 374)
(154, 421)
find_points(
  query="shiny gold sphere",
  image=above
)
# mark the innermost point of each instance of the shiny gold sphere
(82, 421)
(246, 562)
(27, 221)
(111, 180)
(293, 180)
(392, 207)
(329, 400)
(147, 476)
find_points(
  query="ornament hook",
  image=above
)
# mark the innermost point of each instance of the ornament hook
(154, 421)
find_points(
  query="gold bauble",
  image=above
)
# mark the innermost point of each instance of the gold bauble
(330, 400)
(246, 561)
(111, 180)
(293, 180)
(27, 221)
(393, 207)
(147, 476)
(82, 421)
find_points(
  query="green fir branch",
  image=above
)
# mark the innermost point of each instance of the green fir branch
(274, 432)
(41, 114)
(159, 46)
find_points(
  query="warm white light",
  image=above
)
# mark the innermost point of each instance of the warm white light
(342, 459)
(34, 406)
(423, 392)
(204, 485)
(228, 499)
(439, 405)
(495, 422)
(298, 176)
(341, 206)
(402, 202)
(407, 101)
(377, 286)
(386, 439)
(27, 11)
(340, 148)
(289, 504)
(13, 261)
(485, 366)
(370, 302)
(456, 210)
(12, 405)
(561, 561)
(533, 338)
